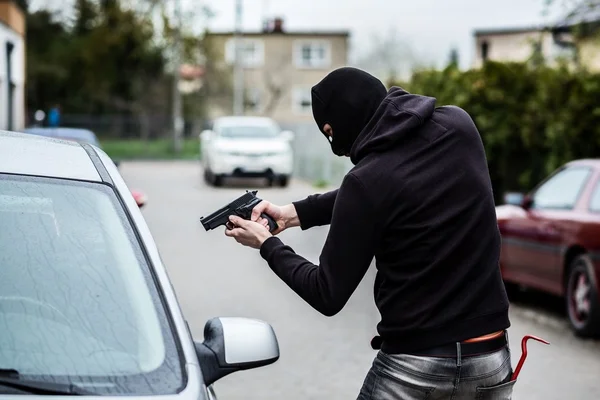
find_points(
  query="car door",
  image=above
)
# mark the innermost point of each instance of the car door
(536, 236)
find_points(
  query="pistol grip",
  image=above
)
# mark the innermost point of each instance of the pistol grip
(272, 224)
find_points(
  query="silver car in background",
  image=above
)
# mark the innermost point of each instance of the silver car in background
(86, 306)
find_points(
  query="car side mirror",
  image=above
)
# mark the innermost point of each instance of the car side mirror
(287, 135)
(235, 344)
(527, 202)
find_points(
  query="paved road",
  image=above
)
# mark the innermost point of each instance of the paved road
(321, 358)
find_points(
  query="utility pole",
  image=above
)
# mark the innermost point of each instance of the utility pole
(177, 113)
(238, 95)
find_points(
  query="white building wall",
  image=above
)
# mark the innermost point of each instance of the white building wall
(18, 78)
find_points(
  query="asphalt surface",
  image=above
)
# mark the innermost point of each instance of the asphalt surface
(321, 358)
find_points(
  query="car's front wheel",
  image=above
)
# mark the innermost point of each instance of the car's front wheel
(284, 180)
(583, 304)
(207, 176)
(212, 179)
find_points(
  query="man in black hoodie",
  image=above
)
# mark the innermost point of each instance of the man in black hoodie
(419, 200)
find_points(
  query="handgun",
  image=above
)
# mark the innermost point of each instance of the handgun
(242, 207)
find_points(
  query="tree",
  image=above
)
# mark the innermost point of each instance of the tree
(389, 57)
(106, 57)
(47, 72)
(102, 60)
(24, 4)
(453, 58)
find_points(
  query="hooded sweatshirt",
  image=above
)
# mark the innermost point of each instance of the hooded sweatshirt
(419, 200)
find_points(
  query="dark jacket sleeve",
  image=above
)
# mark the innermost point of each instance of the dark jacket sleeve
(316, 210)
(345, 257)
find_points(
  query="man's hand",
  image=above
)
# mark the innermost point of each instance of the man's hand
(285, 216)
(248, 233)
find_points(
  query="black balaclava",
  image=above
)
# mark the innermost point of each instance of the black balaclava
(346, 99)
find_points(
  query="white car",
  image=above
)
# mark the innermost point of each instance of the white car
(86, 304)
(246, 147)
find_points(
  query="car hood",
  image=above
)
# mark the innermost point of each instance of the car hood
(508, 211)
(252, 146)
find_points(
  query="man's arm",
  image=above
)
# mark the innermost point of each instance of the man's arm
(345, 258)
(315, 210)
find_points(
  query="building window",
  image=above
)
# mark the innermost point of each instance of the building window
(252, 52)
(485, 49)
(312, 54)
(253, 100)
(301, 101)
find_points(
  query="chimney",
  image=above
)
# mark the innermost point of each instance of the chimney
(278, 25)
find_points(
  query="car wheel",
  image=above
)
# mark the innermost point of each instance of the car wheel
(582, 298)
(217, 180)
(207, 176)
(284, 181)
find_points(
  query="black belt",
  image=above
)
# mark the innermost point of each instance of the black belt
(452, 349)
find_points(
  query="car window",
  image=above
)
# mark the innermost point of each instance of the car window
(77, 298)
(249, 131)
(595, 199)
(562, 190)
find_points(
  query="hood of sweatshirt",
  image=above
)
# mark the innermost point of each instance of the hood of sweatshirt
(399, 114)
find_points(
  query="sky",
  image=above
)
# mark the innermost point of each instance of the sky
(431, 27)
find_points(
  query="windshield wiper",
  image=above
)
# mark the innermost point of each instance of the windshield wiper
(11, 378)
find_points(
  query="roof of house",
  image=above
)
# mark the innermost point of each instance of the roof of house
(27, 154)
(284, 33)
(584, 14)
(507, 30)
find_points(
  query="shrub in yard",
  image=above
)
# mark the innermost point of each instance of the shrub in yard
(532, 119)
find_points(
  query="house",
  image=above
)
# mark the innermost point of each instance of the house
(12, 66)
(279, 68)
(552, 42)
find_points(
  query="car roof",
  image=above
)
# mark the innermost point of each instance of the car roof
(27, 154)
(64, 133)
(592, 162)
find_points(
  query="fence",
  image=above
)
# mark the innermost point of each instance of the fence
(313, 158)
(126, 126)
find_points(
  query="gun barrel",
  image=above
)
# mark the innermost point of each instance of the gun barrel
(242, 206)
(215, 219)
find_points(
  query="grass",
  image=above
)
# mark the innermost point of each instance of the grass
(159, 149)
(321, 183)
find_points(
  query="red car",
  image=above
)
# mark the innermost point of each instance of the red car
(551, 240)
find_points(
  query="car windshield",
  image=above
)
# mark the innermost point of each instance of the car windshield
(78, 303)
(248, 131)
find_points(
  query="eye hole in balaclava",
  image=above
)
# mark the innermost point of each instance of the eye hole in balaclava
(346, 99)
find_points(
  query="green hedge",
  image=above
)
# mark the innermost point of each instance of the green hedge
(531, 119)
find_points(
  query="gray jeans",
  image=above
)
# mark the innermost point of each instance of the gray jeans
(407, 377)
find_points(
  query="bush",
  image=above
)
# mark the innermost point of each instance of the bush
(531, 119)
